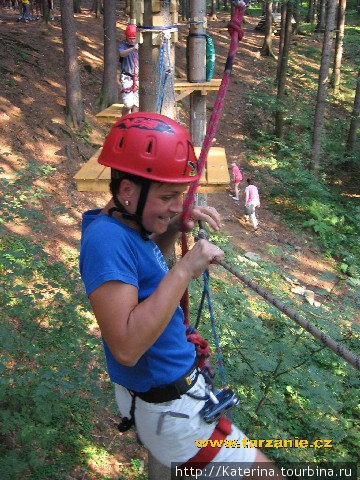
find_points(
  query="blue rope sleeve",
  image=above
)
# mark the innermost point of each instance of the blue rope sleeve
(161, 63)
(219, 356)
(159, 28)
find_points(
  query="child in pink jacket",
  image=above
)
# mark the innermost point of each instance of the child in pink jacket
(237, 177)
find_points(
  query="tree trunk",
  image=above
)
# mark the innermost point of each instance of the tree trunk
(213, 10)
(266, 49)
(313, 12)
(323, 85)
(320, 27)
(355, 118)
(109, 89)
(282, 37)
(295, 30)
(310, 12)
(132, 11)
(279, 115)
(46, 11)
(77, 6)
(96, 8)
(183, 9)
(74, 105)
(339, 43)
(148, 63)
(197, 70)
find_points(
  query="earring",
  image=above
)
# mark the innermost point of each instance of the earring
(127, 202)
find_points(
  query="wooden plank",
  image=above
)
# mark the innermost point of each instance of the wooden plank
(155, 6)
(90, 168)
(110, 114)
(186, 87)
(87, 177)
(93, 177)
(216, 168)
(217, 171)
(184, 93)
(214, 84)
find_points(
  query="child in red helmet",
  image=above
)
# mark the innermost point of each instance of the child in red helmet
(135, 297)
(129, 77)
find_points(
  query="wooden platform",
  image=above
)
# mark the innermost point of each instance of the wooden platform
(185, 87)
(115, 111)
(110, 114)
(93, 177)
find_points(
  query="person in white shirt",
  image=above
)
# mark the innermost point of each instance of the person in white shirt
(252, 200)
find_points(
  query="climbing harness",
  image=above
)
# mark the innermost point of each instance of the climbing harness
(206, 454)
(166, 393)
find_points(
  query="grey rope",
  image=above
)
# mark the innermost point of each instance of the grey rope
(318, 334)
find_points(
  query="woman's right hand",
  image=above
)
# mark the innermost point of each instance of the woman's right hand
(201, 256)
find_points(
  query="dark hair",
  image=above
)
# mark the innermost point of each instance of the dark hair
(117, 177)
(250, 181)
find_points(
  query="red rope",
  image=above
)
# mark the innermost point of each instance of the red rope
(234, 28)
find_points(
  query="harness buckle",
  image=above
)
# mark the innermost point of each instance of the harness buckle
(212, 411)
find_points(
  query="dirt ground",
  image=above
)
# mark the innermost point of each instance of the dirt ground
(32, 125)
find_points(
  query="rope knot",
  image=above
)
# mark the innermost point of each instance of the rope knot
(201, 346)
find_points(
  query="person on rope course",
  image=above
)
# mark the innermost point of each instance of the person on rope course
(237, 177)
(129, 76)
(252, 201)
(135, 297)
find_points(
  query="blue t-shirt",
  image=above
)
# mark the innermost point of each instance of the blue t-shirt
(130, 63)
(111, 250)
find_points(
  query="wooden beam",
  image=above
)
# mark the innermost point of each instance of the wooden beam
(93, 177)
(110, 114)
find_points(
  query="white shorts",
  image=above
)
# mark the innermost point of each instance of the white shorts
(169, 436)
(130, 98)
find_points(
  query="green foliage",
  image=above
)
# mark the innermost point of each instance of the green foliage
(50, 363)
(289, 384)
(351, 43)
(49, 384)
(282, 165)
(20, 53)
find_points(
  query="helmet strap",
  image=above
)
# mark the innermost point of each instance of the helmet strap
(137, 216)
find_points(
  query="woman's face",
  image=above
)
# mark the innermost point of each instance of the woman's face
(164, 201)
(131, 40)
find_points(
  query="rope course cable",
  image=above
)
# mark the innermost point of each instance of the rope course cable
(157, 28)
(289, 312)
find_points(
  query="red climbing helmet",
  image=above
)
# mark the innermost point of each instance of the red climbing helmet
(130, 31)
(151, 146)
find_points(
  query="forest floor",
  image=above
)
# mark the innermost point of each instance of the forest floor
(32, 123)
(32, 127)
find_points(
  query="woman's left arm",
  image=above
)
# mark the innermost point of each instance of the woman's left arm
(166, 240)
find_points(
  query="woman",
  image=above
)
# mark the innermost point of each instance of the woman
(135, 297)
